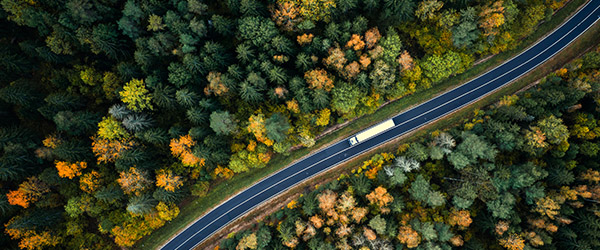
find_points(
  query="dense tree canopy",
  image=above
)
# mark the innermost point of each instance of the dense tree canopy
(113, 112)
(476, 194)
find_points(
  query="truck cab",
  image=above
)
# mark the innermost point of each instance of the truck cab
(352, 141)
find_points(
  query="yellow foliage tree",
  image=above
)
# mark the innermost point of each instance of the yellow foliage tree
(547, 206)
(136, 96)
(314, 10)
(167, 212)
(249, 241)
(111, 129)
(336, 59)
(257, 126)
(513, 242)
(323, 118)
(109, 150)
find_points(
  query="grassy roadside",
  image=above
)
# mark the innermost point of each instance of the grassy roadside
(575, 50)
(196, 207)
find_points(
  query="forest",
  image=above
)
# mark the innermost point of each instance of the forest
(112, 113)
(521, 174)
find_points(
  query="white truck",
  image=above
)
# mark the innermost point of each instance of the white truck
(370, 132)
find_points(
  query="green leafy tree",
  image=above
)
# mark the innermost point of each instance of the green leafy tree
(503, 206)
(466, 32)
(345, 98)
(277, 127)
(378, 224)
(427, 9)
(554, 129)
(437, 67)
(222, 122)
(392, 47)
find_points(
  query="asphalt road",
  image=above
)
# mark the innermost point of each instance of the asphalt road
(405, 122)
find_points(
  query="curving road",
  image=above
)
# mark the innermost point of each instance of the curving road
(407, 121)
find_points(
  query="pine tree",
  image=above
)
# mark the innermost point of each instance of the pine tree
(163, 195)
(19, 93)
(139, 205)
(303, 62)
(119, 111)
(164, 96)
(72, 150)
(186, 98)
(249, 93)
(361, 184)
(76, 123)
(137, 122)
(156, 136)
(109, 194)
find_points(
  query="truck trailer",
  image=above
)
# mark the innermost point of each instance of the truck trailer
(370, 132)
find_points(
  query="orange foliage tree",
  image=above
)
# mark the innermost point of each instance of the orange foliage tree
(318, 79)
(336, 59)
(491, 17)
(29, 191)
(305, 39)
(461, 218)
(380, 197)
(372, 36)
(70, 170)
(215, 84)
(356, 42)
(406, 61)
(351, 70)
(134, 181)
(90, 182)
(167, 180)
(182, 148)
(109, 150)
(409, 236)
(30, 239)
(286, 15)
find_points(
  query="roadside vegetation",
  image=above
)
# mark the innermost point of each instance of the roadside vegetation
(114, 112)
(521, 174)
